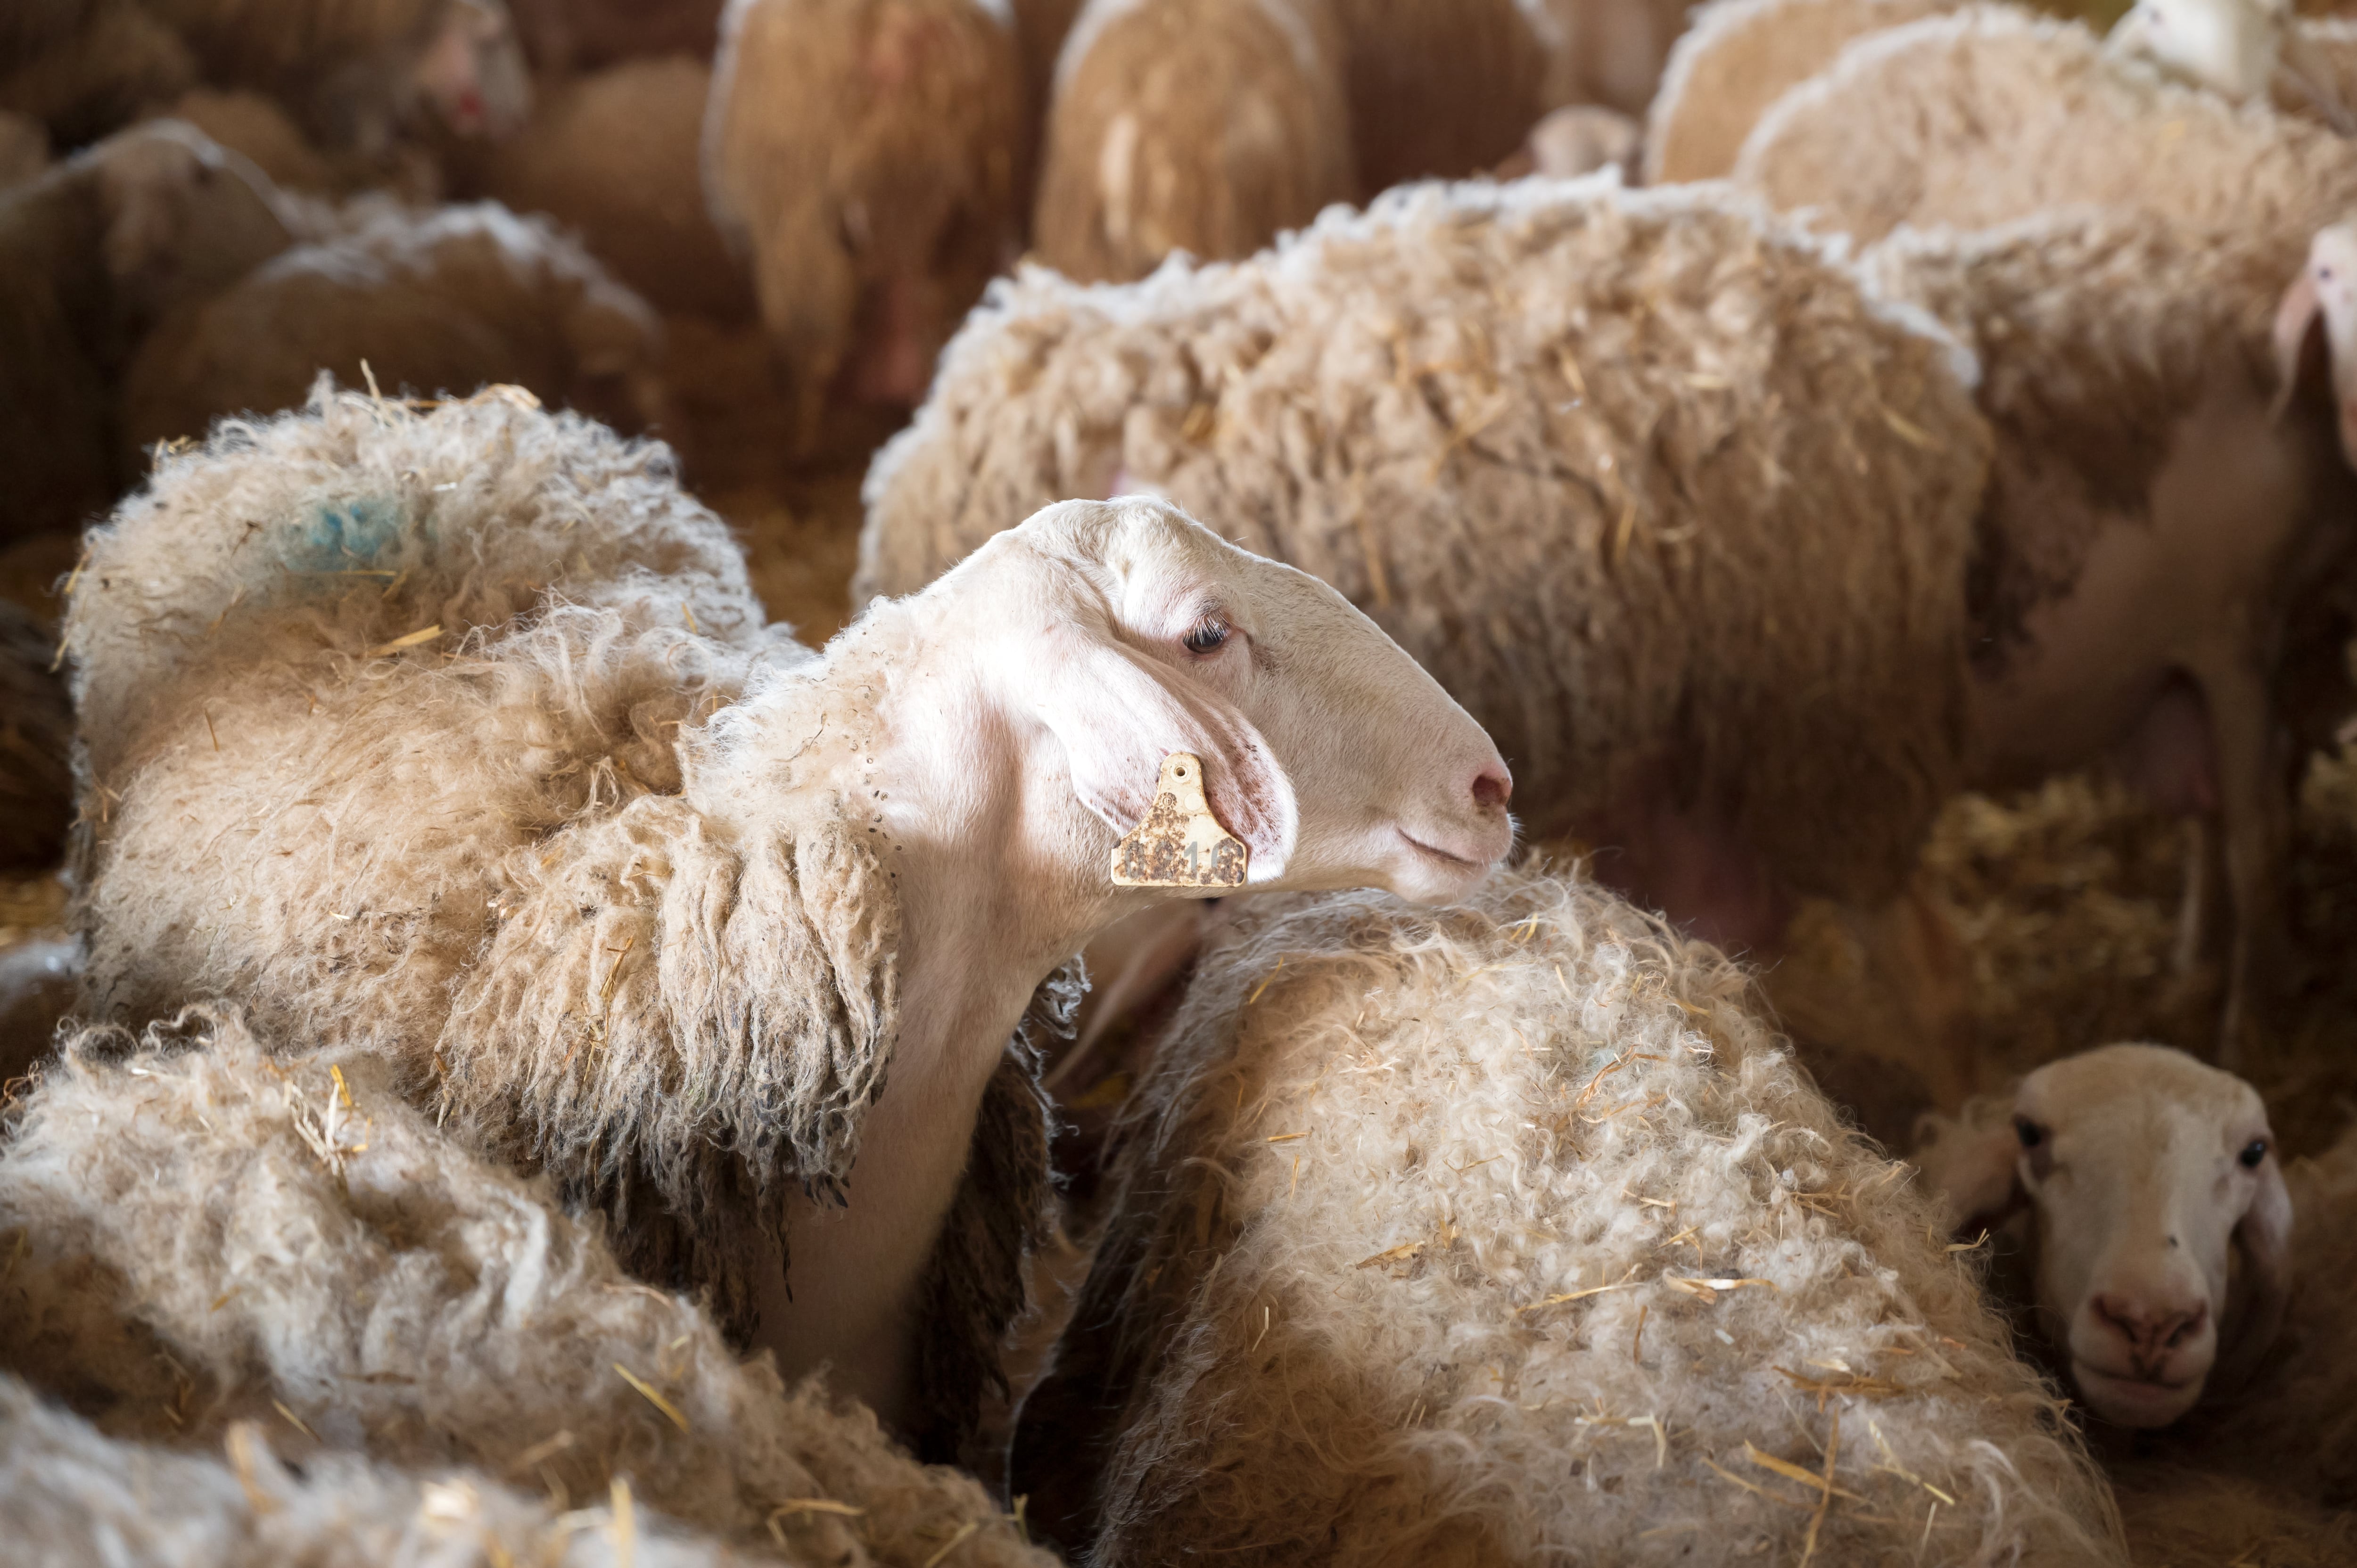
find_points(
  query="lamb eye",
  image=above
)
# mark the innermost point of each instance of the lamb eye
(2030, 1134)
(2254, 1152)
(1207, 635)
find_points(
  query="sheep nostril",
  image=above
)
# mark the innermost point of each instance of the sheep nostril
(1492, 787)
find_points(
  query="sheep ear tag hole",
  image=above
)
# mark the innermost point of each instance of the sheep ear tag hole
(1180, 843)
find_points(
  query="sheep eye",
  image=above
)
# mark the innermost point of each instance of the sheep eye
(1207, 636)
(2254, 1152)
(2030, 1134)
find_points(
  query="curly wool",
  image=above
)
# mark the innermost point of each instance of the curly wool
(1642, 477)
(208, 1231)
(1506, 1233)
(480, 861)
(1992, 115)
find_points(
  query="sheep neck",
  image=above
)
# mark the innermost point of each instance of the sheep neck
(1002, 877)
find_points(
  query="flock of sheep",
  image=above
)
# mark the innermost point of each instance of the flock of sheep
(539, 1062)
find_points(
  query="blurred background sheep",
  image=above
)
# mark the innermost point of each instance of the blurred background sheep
(749, 230)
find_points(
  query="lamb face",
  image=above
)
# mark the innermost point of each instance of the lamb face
(470, 72)
(1135, 631)
(2162, 1222)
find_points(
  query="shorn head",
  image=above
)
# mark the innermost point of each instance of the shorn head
(1125, 631)
(2163, 1225)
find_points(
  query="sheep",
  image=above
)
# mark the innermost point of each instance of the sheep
(1990, 116)
(1740, 57)
(1508, 1232)
(318, 1257)
(1041, 26)
(36, 734)
(258, 128)
(1574, 141)
(640, 893)
(1585, 453)
(73, 1496)
(612, 158)
(92, 255)
(2168, 1248)
(865, 155)
(439, 301)
(85, 69)
(1610, 52)
(2126, 604)
(1210, 126)
(1206, 127)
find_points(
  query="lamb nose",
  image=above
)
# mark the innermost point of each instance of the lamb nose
(2150, 1335)
(1492, 787)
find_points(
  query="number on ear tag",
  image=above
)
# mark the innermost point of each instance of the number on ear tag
(1180, 843)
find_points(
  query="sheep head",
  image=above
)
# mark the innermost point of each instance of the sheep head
(1128, 631)
(2315, 330)
(2162, 1222)
(184, 217)
(2228, 46)
(469, 71)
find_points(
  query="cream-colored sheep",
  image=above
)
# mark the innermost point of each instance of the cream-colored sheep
(1643, 476)
(866, 156)
(513, 787)
(430, 303)
(1990, 114)
(1508, 1233)
(209, 1231)
(1206, 127)
(92, 255)
(2184, 1272)
(612, 158)
(1740, 57)
(73, 1496)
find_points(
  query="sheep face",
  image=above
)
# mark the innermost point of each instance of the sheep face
(2228, 46)
(2161, 1217)
(2316, 328)
(470, 72)
(184, 217)
(1132, 631)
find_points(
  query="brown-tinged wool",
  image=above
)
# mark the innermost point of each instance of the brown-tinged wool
(406, 842)
(1207, 127)
(561, 36)
(440, 304)
(1643, 478)
(1508, 1232)
(2087, 367)
(260, 128)
(214, 1231)
(1610, 52)
(90, 254)
(1991, 114)
(1737, 59)
(86, 68)
(1040, 27)
(1439, 88)
(866, 156)
(37, 727)
(73, 1496)
(612, 159)
(2181, 1518)
(24, 148)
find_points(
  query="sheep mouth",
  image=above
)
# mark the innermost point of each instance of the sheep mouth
(1453, 862)
(2133, 1401)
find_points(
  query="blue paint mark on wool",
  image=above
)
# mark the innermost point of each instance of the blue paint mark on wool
(343, 535)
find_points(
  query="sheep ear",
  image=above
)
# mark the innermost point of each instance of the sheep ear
(2263, 1238)
(1118, 714)
(2303, 355)
(1973, 1168)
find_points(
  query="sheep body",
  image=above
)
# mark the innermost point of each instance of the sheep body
(1988, 115)
(290, 1235)
(91, 253)
(1594, 522)
(866, 156)
(87, 69)
(1438, 88)
(612, 158)
(442, 302)
(1737, 59)
(1509, 1231)
(1206, 127)
(562, 37)
(36, 739)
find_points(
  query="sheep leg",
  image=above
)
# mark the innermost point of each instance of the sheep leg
(2252, 810)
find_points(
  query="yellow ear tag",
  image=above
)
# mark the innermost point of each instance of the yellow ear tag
(1180, 843)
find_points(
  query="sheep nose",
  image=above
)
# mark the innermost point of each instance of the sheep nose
(2150, 1333)
(1492, 787)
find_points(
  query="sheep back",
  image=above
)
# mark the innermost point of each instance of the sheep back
(216, 1230)
(1504, 1230)
(1635, 474)
(1990, 114)
(1739, 59)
